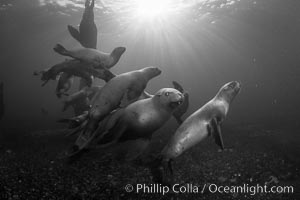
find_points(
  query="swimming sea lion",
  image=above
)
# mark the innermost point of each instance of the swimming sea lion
(64, 84)
(87, 34)
(203, 123)
(128, 86)
(76, 68)
(89, 55)
(142, 118)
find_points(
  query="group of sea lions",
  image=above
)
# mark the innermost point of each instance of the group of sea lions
(121, 110)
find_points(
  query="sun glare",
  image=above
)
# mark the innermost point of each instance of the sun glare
(152, 9)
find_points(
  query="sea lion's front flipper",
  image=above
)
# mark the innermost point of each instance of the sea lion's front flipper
(112, 136)
(177, 86)
(74, 33)
(215, 130)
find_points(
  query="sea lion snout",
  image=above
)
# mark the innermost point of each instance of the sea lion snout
(233, 85)
(236, 86)
(178, 98)
(153, 70)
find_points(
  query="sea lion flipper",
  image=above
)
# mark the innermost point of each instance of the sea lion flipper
(74, 33)
(92, 4)
(216, 133)
(177, 86)
(60, 49)
(113, 135)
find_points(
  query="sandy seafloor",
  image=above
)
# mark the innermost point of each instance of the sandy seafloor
(30, 168)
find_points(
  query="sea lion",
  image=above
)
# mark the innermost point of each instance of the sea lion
(203, 123)
(1, 100)
(64, 84)
(76, 68)
(87, 34)
(141, 119)
(128, 86)
(94, 56)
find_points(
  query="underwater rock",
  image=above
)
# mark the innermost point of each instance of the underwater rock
(222, 179)
(272, 179)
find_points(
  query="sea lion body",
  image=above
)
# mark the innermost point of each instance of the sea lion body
(141, 118)
(87, 34)
(128, 86)
(90, 55)
(202, 123)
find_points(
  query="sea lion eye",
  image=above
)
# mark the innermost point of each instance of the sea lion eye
(167, 93)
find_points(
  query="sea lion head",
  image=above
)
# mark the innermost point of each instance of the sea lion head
(169, 97)
(229, 91)
(117, 52)
(151, 72)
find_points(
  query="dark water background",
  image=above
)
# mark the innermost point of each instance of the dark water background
(255, 43)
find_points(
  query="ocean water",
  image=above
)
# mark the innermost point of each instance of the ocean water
(202, 44)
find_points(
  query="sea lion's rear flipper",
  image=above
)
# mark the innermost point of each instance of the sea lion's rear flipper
(74, 33)
(92, 4)
(215, 130)
(161, 170)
